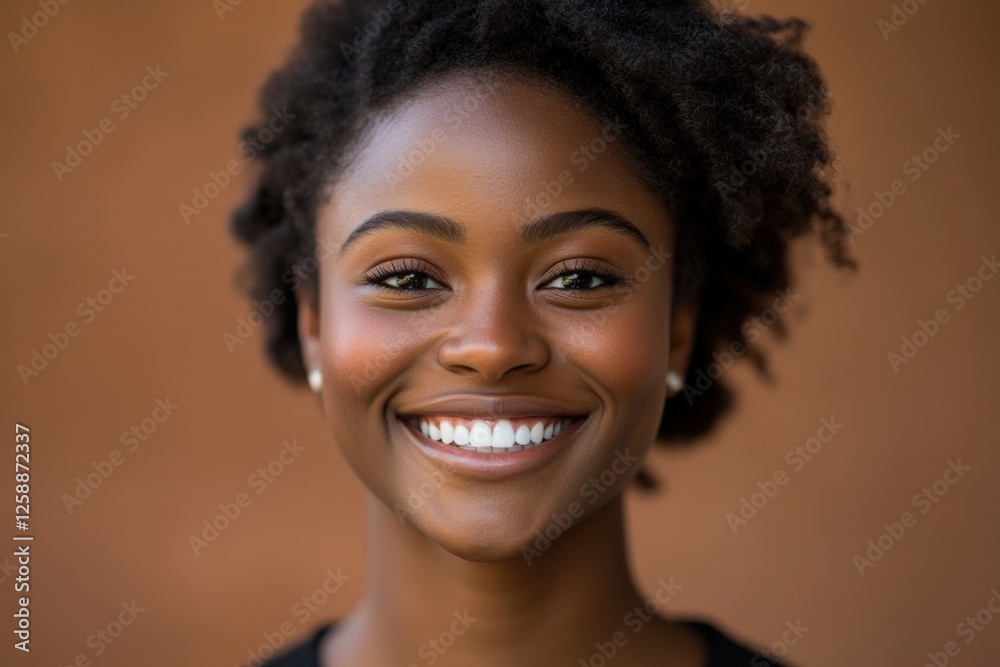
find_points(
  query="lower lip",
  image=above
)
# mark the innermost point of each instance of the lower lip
(484, 466)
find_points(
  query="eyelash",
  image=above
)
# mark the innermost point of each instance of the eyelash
(609, 277)
(379, 274)
(405, 266)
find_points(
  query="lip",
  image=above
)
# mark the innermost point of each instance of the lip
(492, 467)
(491, 407)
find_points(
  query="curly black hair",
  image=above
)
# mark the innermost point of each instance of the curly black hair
(723, 111)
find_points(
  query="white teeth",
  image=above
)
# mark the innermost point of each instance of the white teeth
(447, 432)
(480, 434)
(480, 437)
(503, 434)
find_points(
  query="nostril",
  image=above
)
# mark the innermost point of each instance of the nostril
(494, 355)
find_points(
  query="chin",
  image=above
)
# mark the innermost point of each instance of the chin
(491, 537)
(484, 551)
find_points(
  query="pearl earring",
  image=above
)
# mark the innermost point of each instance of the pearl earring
(316, 380)
(674, 381)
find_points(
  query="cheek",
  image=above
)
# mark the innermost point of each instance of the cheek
(365, 349)
(361, 354)
(623, 351)
(622, 348)
(365, 352)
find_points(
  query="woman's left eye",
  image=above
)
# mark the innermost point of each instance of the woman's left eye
(578, 280)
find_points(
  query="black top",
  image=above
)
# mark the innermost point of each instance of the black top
(722, 650)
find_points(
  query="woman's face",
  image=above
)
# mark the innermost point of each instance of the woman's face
(522, 280)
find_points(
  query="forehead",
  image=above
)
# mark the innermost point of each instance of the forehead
(499, 150)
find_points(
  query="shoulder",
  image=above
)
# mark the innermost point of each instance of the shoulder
(303, 654)
(725, 651)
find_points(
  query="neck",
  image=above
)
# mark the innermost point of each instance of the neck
(422, 601)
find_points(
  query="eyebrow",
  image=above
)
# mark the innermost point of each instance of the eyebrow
(437, 226)
(539, 229)
(565, 222)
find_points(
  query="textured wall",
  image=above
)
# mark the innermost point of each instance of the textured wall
(158, 338)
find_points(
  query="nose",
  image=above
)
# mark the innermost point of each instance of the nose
(493, 336)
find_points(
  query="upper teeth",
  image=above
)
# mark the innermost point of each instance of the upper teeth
(503, 433)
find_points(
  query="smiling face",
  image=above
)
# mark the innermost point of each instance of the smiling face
(494, 325)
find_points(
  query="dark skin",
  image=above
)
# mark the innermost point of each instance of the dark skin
(491, 314)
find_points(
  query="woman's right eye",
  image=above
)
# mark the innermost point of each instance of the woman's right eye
(410, 281)
(403, 276)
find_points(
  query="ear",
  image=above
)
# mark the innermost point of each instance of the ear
(683, 325)
(308, 320)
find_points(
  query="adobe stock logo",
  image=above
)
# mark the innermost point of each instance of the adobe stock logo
(635, 620)
(898, 18)
(592, 490)
(380, 18)
(968, 629)
(105, 636)
(752, 329)
(59, 339)
(122, 107)
(302, 610)
(915, 167)
(103, 469)
(436, 647)
(230, 511)
(779, 648)
(927, 329)
(797, 458)
(37, 21)
(249, 148)
(924, 500)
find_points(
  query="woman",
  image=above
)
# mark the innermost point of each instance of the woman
(499, 237)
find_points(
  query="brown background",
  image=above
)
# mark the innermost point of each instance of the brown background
(162, 337)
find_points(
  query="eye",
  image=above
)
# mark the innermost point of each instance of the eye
(577, 280)
(411, 281)
(403, 276)
(582, 276)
